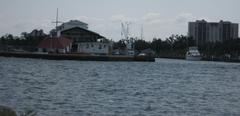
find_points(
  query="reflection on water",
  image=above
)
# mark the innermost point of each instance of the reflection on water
(166, 87)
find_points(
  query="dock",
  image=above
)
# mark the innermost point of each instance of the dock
(79, 57)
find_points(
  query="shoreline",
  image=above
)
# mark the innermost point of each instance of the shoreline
(207, 59)
(79, 57)
(114, 58)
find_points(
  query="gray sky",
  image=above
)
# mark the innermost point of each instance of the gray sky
(160, 18)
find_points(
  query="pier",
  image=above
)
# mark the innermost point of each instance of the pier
(79, 57)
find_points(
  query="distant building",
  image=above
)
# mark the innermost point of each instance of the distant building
(82, 36)
(204, 32)
(78, 34)
(68, 25)
(55, 45)
(71, 24)
(84, 40)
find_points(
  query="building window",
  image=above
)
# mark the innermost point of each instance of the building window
(92, 45)
(104, 46)
(87, 46)
(100, 47)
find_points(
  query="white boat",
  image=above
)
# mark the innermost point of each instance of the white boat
(193, 54)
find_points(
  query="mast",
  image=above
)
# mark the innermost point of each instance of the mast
(57, 22)
(142, 33)
(56, 29)
(57, 19)
(125, 34)
(125, 30)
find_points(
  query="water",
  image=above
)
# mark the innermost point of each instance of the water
(163, 88)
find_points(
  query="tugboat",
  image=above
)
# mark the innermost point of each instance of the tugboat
(193, 54)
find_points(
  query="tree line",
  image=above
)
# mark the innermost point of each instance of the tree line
(176, 46)
(26, 41)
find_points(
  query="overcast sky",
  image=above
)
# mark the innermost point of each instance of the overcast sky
(159, 18)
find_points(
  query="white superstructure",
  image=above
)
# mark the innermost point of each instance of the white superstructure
(193, 54)
(94, 48)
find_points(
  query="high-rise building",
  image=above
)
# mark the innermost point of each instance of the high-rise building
(205, 32)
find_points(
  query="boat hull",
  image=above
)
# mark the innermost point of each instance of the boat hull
(193, 58)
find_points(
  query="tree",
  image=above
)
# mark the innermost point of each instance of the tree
(140, 45)
(119, 45)
(157, 45)
(24, 34)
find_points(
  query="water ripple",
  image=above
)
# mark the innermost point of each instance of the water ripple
(167, 87)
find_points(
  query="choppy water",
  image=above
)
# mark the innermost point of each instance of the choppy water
(163, 88)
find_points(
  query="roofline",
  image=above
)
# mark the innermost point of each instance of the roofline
(85, 30)
(204, 21)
